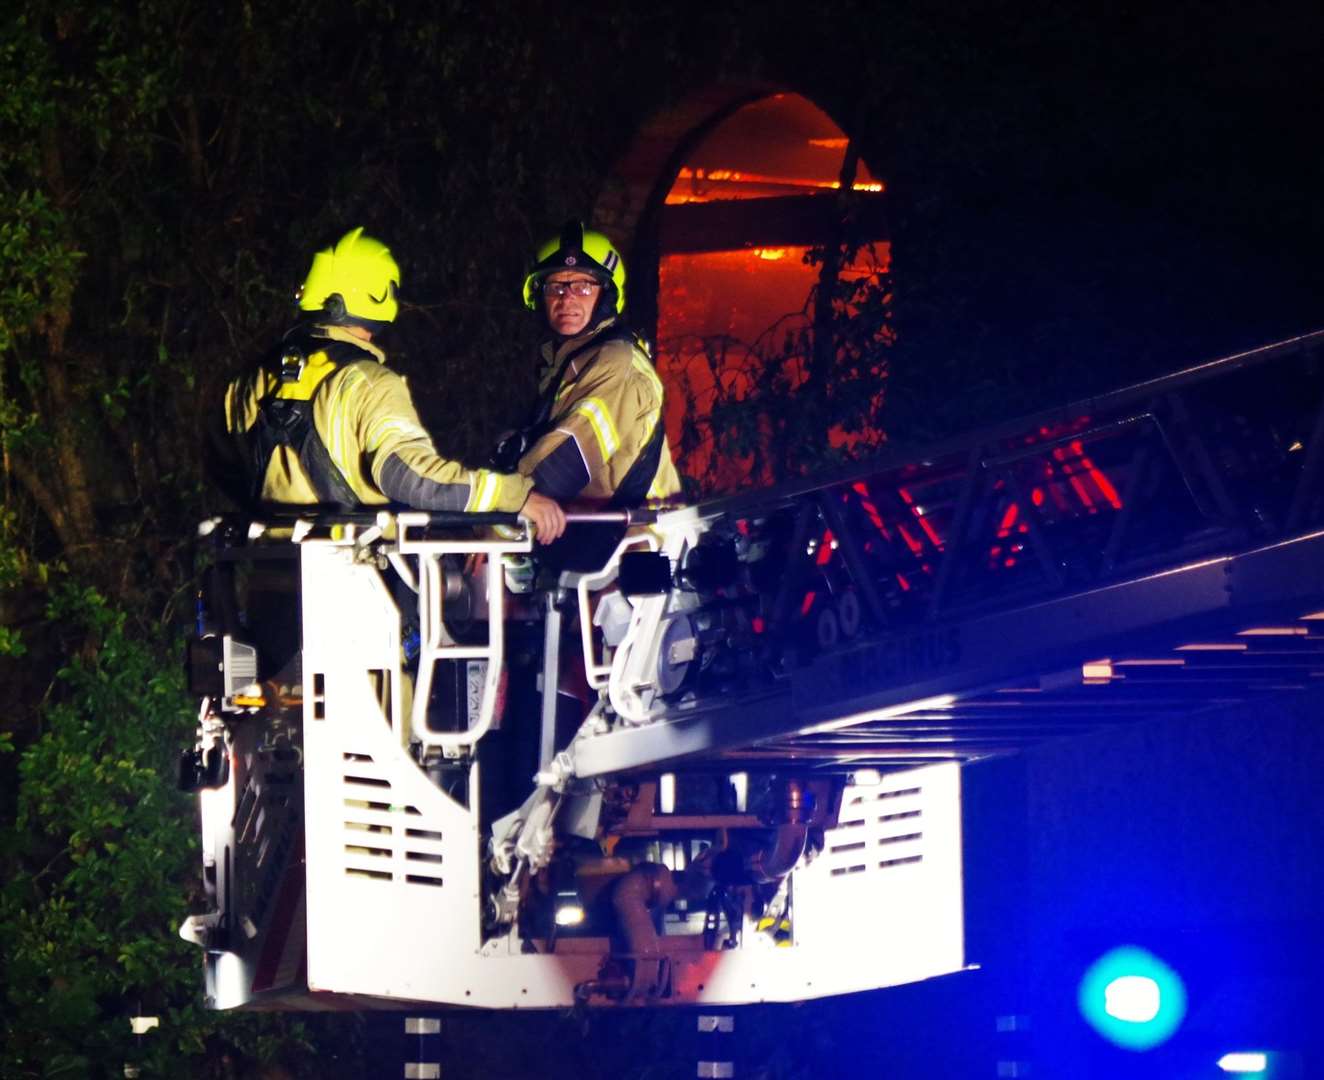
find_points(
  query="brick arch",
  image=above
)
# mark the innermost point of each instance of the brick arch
(629, 205)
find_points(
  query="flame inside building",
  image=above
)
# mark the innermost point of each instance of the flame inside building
(736, 282)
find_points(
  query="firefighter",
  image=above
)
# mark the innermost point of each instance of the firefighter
(597, 434)
(325, 421)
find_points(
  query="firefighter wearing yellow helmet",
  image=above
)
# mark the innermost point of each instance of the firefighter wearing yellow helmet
(596, 434)
(325, 421)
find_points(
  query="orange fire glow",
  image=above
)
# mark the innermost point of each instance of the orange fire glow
(724, 316)
(711, 185)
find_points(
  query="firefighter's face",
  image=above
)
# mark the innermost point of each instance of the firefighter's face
(569, 297)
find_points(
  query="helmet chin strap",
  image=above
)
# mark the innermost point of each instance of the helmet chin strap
(604, 309)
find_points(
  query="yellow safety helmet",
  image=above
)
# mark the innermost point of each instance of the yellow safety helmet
(353, 282)
(578, 248)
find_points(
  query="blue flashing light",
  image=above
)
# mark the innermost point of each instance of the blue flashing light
(1132, 998)
(1245, 1062)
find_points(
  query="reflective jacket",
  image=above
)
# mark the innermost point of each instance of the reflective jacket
(600, 436)
(365, 444)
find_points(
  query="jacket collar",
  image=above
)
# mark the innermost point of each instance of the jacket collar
(340, 333)
(555, 350)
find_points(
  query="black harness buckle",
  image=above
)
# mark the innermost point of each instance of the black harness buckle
(292, 362)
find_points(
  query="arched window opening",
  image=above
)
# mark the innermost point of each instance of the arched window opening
(754, 229)
(780, 146)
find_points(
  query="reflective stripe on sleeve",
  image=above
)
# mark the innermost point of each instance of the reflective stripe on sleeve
(341, 436)
(339, 440)
(483, 491)
(392, 425)
(595, 411)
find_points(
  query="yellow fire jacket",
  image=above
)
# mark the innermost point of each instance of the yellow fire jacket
(602, 401)
(369, 445)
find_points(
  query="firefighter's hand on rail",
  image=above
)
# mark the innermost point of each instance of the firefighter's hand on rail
(546, 515)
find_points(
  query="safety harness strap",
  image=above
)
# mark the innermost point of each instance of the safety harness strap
(506, 456)
(542, 414)
(288, 422)
(633, 488)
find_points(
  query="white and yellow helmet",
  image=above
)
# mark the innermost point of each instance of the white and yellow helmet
(578, 248)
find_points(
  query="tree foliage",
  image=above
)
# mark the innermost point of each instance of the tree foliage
(94, 872)
(807, 393)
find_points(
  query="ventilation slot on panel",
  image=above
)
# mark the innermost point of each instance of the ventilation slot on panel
(377, 844)
(375, 875)
(860, 800)
(879, 830)
(362, 826)
(359, 849)
(899, 838)
(362, 771)
(422, 858)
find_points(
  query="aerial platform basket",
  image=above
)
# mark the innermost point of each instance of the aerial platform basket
(757, 799)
